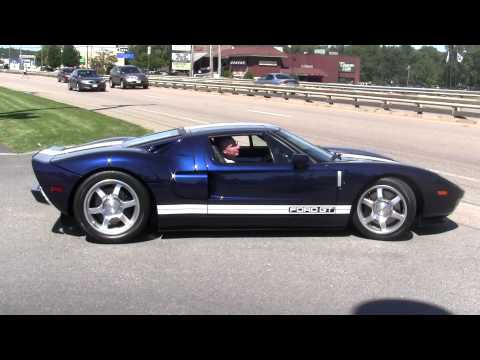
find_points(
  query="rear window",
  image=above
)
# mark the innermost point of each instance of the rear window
(130, 70)
(67, 70)
(153, 137)
(281, 76)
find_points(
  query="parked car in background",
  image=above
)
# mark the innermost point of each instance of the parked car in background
(47, 68)
(63, 74)
(86, 79)
(127, 76)
(277, 79)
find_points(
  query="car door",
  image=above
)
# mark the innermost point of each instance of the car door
(265, 192)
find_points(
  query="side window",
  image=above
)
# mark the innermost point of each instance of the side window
(250, 149)
(269, 77)
(281, 153)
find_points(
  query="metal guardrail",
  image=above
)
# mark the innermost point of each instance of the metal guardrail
(385, 101)
(307, 93)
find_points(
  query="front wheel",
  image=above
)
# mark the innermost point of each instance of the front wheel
(112, 207)
(112, 84)
(386, 210)
(123, 85)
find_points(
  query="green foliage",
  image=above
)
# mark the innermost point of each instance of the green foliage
(159, 58)
(103, 63)
(248, 75)
(227, 73)
(54, 56)
(70, 56)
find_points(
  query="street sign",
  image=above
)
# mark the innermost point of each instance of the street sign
(181, 47)
(181, 66)
(125, 56)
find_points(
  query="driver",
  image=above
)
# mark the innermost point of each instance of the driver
(228, 147)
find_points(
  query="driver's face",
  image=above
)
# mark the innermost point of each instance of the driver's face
(232, 150)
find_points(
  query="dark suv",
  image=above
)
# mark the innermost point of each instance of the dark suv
(64, 74)
(128, 76)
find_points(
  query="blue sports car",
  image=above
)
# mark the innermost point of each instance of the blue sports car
(235, 175)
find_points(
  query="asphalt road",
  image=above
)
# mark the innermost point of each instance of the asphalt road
(47, 272)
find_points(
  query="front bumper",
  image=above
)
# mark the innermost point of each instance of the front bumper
(39, 195)
(136, 82)
(92, 87)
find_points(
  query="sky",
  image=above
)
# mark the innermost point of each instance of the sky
(37, 47)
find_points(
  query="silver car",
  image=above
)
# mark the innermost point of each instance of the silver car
(277, 79)
(128, 76)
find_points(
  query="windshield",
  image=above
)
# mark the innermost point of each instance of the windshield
(152, 137)
(67, 70)
(314, 151)
(281, 76)
(130, 70)
(87, 73)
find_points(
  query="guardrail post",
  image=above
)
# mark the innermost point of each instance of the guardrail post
(267, 94)
(220, 90)
(455, 111)
(207, 88)
(234, 91)
(184, 87)
(386, 104)
(329, 99)
(285, 95)
(307, 98)
(419, 108)
(355, 102)
(195, 87)
(250, 93)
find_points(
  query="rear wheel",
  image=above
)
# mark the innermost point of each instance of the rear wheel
(112, 84)
(386, 210)
(112, 207)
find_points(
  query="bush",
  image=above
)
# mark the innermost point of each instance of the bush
(248, 75)
(227, 73)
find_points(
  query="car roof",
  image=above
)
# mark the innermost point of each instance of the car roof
(221, 128)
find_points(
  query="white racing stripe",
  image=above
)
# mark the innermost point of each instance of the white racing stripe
(253, 209)
(365, 157)
(79, 148)
(269, 113)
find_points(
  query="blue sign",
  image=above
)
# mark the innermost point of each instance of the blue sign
(125, 56)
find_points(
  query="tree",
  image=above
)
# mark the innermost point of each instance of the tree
(159, 58)
(70, 56)
(103, 62)
(54, 56)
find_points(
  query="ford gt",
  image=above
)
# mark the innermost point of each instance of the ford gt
(180, 178)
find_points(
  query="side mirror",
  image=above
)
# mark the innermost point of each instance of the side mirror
(300, 161)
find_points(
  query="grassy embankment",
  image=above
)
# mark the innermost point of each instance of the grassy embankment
(29, 122)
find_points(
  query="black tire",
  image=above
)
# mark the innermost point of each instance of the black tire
(79, 89)
(145, 86)
(411, 209)
(58, 79)
(69, 86)
(145, 207)
(112, 84)
(122, 84)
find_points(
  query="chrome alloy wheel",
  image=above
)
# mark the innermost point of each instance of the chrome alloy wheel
(111, 207)
(382, 209)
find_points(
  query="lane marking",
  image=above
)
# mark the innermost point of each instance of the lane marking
(269, 113)
(455, 175)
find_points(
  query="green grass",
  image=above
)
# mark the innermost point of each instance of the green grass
(29, 122)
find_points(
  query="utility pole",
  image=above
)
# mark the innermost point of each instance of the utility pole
(191, 61)
(219, 60)
(408, 74)
(210, 64)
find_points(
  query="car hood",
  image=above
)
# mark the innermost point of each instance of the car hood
(135, 74)
(114, 142)
(349, 154)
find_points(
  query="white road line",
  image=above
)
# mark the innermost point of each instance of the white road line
(269, 113)
(175, 116)
(455, 175)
